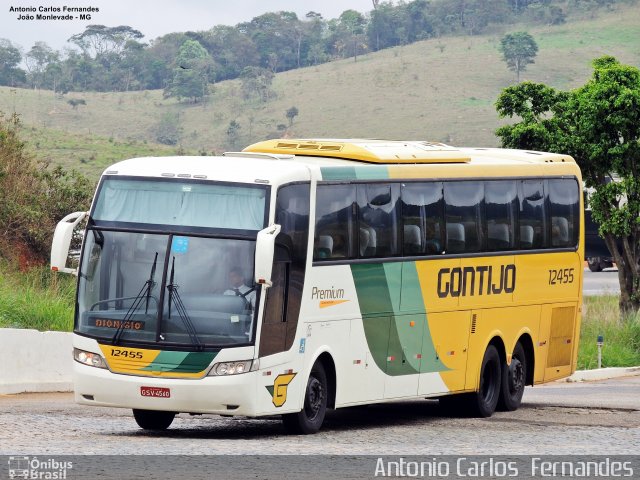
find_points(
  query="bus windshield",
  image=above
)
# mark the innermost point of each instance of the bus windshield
(182, 203)
(167, 289)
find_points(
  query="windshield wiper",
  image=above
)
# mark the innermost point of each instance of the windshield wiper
(174, 296)
(145, 291)
(151, 283)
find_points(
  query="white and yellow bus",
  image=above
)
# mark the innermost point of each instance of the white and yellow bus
(302, 275)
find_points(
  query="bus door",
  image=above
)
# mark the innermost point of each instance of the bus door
(282, 305)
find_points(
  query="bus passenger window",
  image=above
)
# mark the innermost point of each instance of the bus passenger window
(463, 216)
(564, 198)
(533, 230)
(335, 207)
(422, 212)
(378, 219)
(500, 212)
(292, 214)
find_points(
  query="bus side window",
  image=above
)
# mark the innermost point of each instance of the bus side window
(422, 214)
(335, 209)
(533, 220)
(500, 212)
(564, 197)
(463, 216)
(378, 219)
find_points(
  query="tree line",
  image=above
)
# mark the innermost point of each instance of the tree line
(116, 59)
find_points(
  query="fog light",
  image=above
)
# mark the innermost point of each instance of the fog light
(88, 358)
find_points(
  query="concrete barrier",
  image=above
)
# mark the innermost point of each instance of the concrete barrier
(603, 374)
(32, 361)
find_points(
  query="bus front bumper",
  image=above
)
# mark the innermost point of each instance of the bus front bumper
(222, 395)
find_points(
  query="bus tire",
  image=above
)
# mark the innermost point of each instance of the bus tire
(483, 402)
(310, 418)
(152, 419)
(594, 264)
(514, 379)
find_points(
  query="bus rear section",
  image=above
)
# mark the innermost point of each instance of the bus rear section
(456, 276)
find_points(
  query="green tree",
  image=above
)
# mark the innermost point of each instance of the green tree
(291, 114)
(191, 75)
(232, 50)
(599, 125)
(278, 37)
(99, 40)
(518, 50)
(257, 81)
(233, 133)
(10, 58)
(352, 26)
(37, 61)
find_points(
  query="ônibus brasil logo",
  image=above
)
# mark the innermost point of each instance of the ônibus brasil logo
(35, 468)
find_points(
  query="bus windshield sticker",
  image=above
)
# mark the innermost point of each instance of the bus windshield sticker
(180, 245)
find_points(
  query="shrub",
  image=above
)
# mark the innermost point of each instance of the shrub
(33, 198)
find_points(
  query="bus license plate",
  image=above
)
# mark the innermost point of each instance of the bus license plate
(155, 392)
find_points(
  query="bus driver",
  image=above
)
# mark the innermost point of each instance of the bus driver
(238, 287)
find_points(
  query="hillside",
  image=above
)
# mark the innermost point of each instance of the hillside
(440, 89)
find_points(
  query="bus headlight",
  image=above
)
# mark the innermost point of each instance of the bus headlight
(233, 368)
(88, 358)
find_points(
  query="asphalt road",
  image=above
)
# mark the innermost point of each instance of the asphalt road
(601, 283)
(595, 418)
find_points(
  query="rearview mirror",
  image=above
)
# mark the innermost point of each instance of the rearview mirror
(62, 242)
(265, 244)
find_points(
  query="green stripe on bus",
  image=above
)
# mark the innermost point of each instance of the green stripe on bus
(338, 173)
(372, 289)
(412, 299)
(185, 362)
(369, 172)
(399, 343)
(195, 362)
(372, 172)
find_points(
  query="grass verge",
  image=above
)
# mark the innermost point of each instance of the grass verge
(36, 299)
(601, 316)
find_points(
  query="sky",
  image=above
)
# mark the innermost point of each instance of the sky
(154, 17)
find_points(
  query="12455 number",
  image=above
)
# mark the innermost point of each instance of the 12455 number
(125, 353)
(564, 275)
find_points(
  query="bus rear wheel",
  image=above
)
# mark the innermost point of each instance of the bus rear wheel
(152, 419)
(514, 379)
(483, 402)
(311, 417)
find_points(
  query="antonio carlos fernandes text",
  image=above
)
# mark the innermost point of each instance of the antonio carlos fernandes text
(536, 467)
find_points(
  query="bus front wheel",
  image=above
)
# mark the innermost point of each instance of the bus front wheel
(153, 420)
(514, 379)
(310, 418)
